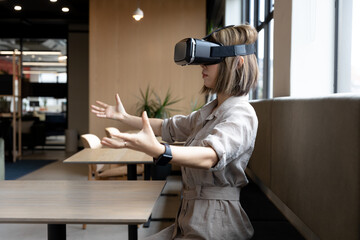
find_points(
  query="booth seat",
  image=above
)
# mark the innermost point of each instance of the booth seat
(307, 161)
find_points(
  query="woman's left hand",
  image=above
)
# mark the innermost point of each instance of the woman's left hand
(144, 141)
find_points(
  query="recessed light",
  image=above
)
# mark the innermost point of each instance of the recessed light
(17, 52)
(65, 9)
(18, 8)
(53, 0)
(50, 64)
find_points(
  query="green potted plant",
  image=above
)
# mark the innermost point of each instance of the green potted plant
(156, 108)
(145, 103)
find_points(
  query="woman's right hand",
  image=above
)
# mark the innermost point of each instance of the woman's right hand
(143, 141)
(107, 111)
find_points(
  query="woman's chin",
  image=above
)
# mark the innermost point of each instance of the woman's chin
(208, 86)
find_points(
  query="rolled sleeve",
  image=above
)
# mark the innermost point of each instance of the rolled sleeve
(178, 127)
(229, 140)
(165, 131)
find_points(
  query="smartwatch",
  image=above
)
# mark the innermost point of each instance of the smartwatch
(164, 158)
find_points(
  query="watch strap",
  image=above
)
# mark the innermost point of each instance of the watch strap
(164, 158)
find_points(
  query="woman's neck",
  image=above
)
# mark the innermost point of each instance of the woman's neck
(221, 98)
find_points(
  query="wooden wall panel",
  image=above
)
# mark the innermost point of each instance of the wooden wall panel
(126, 56)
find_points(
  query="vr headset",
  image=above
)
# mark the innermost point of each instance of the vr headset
(191, 51)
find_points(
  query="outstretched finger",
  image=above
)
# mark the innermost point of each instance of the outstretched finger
(128, 137)
(113, 143)
(97, 108)
(146, 122)
(102, 103)
(118, 100)
(119, 104)
(97, 112)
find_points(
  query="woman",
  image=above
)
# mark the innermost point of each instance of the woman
(219, 140)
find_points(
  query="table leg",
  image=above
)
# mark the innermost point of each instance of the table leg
(147, 224)
(131, 172)
(56, 231)
(133, 232)
(147, 171)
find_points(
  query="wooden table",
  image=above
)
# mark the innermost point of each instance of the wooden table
(58, 203)
(117, 156)
(114, 156)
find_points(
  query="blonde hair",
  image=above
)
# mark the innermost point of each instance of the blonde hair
(233, 80)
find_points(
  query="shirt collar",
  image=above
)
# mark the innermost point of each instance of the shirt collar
(207, 114)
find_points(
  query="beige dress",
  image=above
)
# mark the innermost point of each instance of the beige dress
(210, 207)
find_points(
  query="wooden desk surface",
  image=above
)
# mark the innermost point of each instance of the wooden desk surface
(109, 155)
(61, 202)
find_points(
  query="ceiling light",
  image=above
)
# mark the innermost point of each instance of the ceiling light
(53, 0)
(49, 64)
(138, 14)
(65, 9)
(42, 52)
(18, 8)
(17, 52)
(38, 72)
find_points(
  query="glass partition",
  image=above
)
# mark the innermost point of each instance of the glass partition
(40, 98)
(45, 62)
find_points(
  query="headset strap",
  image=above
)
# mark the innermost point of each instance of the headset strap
(234, 50)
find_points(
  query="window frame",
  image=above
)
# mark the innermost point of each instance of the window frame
(254, 5)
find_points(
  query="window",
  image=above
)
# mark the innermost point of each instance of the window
(355, 57)
(259, 13)
(44, 62)
(348, 48)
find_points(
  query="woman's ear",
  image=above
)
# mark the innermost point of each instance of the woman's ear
(241, 62)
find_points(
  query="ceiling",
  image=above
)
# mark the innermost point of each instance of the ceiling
(41, 18)
(44, 19)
